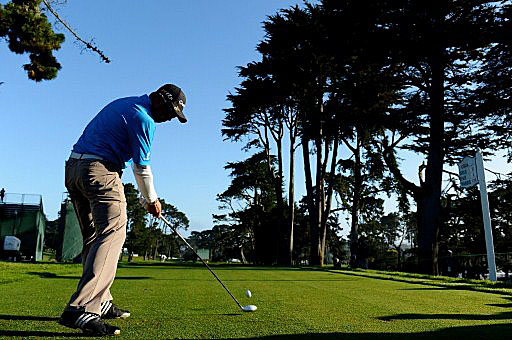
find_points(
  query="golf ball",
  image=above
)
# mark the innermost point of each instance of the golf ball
(248, 293)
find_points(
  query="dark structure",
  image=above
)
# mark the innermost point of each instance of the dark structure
(22, 215)
(70, 240)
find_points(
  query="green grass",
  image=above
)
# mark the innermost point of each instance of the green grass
(184, 301)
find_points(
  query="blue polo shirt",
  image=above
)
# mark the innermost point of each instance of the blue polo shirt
(122, 131)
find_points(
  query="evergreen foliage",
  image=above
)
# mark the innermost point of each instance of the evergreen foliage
(26, 29)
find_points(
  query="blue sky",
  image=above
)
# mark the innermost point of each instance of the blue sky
(196, 44)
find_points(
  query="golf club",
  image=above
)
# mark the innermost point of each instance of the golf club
(249, 308)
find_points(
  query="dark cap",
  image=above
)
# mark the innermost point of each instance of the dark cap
(174, 97)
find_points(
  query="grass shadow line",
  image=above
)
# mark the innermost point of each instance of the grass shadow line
(249, 280)
(47, 275)
(45, 334)
(460, 286)
(193, 265)
(487, 332)
(473, 317)
(27, 317)
(501, 305)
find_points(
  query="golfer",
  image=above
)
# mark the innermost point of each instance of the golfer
(121, 132)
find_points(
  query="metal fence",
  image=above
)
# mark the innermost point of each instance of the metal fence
(24, 199)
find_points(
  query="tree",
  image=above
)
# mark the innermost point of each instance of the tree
(51, 234)
(148, 235)
(300, 67)
(25, 26)
(161, 237)
(136, 236)
(463, 233)
(320, 87)
(397, 229)
(426, 56)
(495, 81)
(251, 202)
(258, 113)
(434, 50)
(27, 30)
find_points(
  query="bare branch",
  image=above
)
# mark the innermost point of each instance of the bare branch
(348, 145)
(89, 45)
(498, 174)
(451, 173)
(390, 159)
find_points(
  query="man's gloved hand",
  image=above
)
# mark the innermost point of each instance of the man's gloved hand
(154, 208)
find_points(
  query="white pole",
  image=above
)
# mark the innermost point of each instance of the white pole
(491, 262)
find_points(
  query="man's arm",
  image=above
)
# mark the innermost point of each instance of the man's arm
(144, 179)
(141, 129)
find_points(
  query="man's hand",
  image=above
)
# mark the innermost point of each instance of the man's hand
(155, 208)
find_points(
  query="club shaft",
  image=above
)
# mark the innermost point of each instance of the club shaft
(207, 266)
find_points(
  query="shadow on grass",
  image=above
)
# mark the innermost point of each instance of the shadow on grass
(430, 288)
(251, 280)
(433, 285)
(27, 317)
(193, 265)
(44, 334)
(502, 305)
(17, 333)
(47, 275)
(470, 332)
(476, 317)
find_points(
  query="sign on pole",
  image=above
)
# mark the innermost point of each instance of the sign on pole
(472, 172)
(468, 174)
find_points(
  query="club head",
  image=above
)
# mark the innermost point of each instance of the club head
(250, 308)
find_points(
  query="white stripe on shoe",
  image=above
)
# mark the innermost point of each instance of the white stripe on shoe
(80, 319)
(105, 307)
(84, 318)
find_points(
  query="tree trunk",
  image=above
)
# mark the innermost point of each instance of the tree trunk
(356, 195)
(277, 179)
(429, 204)
(316, 250)
(242, 255)
(322, 204)
(291, 195)
(313, 226)
(281, 234)
(428, 219)
(327, 202)
(156, 249)
(399, 255)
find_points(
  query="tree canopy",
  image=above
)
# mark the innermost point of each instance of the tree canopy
(26, 29)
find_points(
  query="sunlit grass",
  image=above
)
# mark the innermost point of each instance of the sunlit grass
(170, 301)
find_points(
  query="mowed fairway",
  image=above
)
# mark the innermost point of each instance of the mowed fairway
(185, 301)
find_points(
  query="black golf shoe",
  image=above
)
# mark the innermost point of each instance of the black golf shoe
(110, 311)
(89, 323)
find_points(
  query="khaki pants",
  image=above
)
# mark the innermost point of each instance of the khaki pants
(97, 193)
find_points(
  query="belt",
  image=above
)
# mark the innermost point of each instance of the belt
(77, 155)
